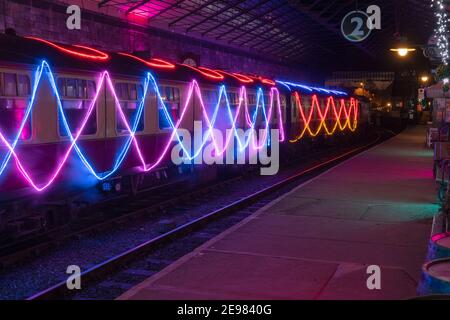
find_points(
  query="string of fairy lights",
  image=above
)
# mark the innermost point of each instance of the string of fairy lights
(441, 30)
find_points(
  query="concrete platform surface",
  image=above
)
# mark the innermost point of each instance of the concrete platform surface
(317, 241)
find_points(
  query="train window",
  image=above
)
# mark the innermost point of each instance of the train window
(266, 101)
(10, 84)
(264, 111)
(295, 109)
(210, 98)
(14, 99)
(70, 91)
(176, 94)
(133, 91)
(168, 93)
(130, 96)
(251, 99)
(233, 99)
(284, 108)
(76, 98)
(283, 104)
(275, 107)
(171, 98)
(23, 85)
(91, 89)
(308, 103)
(254, 108)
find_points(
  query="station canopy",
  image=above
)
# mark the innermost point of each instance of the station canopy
(298, 31)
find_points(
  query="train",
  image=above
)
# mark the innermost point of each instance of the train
(75, 117)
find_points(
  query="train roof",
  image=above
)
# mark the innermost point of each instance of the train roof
(33, 50)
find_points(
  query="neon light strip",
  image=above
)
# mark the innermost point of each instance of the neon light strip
(105, 78)
(206, 72)
(99, 55)
(310, 89)
(263, 80)
(240, 77)
(157, 63)
(193, 88)
(323, 126)
(267, 81)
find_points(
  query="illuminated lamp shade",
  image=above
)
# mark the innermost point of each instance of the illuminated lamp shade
(403, 52)
(209, 73)
(80, 51)
(154, 62)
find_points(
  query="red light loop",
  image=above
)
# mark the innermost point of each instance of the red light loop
(206, 72)
(154, 62)
(243, 78)
(267, 81)
(97, 54)
(240, 77)
(263, 80)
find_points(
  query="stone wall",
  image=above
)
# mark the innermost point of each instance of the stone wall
(47, 19)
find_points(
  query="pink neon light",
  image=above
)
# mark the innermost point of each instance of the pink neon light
(99, 55)
(440, 236)
(54, 175)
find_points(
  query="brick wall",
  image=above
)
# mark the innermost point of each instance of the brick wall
(47, 19)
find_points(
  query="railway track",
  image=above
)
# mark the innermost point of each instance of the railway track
(147, 201)
(189, 234)
(21, 251)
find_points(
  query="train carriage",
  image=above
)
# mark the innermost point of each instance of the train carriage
(73, 117)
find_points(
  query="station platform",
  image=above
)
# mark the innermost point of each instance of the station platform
(317, 241)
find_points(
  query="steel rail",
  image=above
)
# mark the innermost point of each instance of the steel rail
(93, 274)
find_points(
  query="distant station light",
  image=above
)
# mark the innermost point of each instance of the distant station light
(424, 79)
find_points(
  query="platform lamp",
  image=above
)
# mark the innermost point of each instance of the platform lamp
(424, 79)
(402, 48)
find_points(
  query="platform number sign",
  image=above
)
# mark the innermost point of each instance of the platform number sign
(357, 25)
